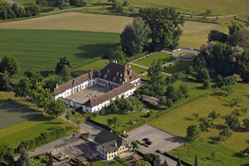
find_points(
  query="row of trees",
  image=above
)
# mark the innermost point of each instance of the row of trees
(15, 10)
(153, 29)
(61, 4)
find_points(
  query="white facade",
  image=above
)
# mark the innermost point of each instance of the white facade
(88, 83)
(121, 152)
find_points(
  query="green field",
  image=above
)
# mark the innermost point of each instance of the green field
(147, 61)
(40, 49)
(137, 69)
(170, 122)
(24, 120)
(223, 156)
(101, 163)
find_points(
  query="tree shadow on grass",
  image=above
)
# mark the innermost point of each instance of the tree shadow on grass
(14, 112)
(91, 51)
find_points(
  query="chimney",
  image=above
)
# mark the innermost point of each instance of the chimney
(56, 86)
(116, 144)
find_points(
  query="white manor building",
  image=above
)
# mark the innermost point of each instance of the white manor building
(96, 89)
(110, 145)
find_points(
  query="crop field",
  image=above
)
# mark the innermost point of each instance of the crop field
(40, 49)
(221, 7)
(24, 121)
(170, 122)
(76, 21)
(194, 33)
(147, 61)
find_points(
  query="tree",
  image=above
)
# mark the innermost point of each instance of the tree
(115, 120)
(32, 10)
(110, 122)
(213, 115)
(62, 61)
(234, 27)
(178, 162)
(196, 116)
(135, 36)
(205, 124)
(61, 4)
(215, 35)
(196, 161)
(199, 63)
(18, 10)
(65, 73)
(50, 160)
(134, 146)
(141, 163)
(6, 155)
(9, 65)
(55, 108)
(184, 90)
(239, 38)
(23, 160)
(232, 122)
(117, 6)
(246, 123)
(225, 133)
(242, 65)
(117, 54)
(153, 159)
(203, 75)
(165, 163)
(4, 80)
(165, 25)
(78, 3)
(193, 132)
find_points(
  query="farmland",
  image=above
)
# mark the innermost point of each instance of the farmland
(170, 122)
(221, 7)
(40, 49)
(22, 120)
(194, 33)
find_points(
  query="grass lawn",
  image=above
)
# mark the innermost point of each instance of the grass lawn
(223, 156)
(137, 69)
(21, 126)
(178, 67)
(123, 120)
(147, 61)
(170, 122)
(40, 49)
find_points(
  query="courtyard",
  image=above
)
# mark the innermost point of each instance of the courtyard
(85, 94)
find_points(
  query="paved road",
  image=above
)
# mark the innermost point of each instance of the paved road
(160, 141)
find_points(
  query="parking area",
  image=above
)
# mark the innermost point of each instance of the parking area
(85, 94)
(159, 141)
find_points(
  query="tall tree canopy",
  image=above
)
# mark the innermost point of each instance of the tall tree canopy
(135, 36)
(165, 25)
